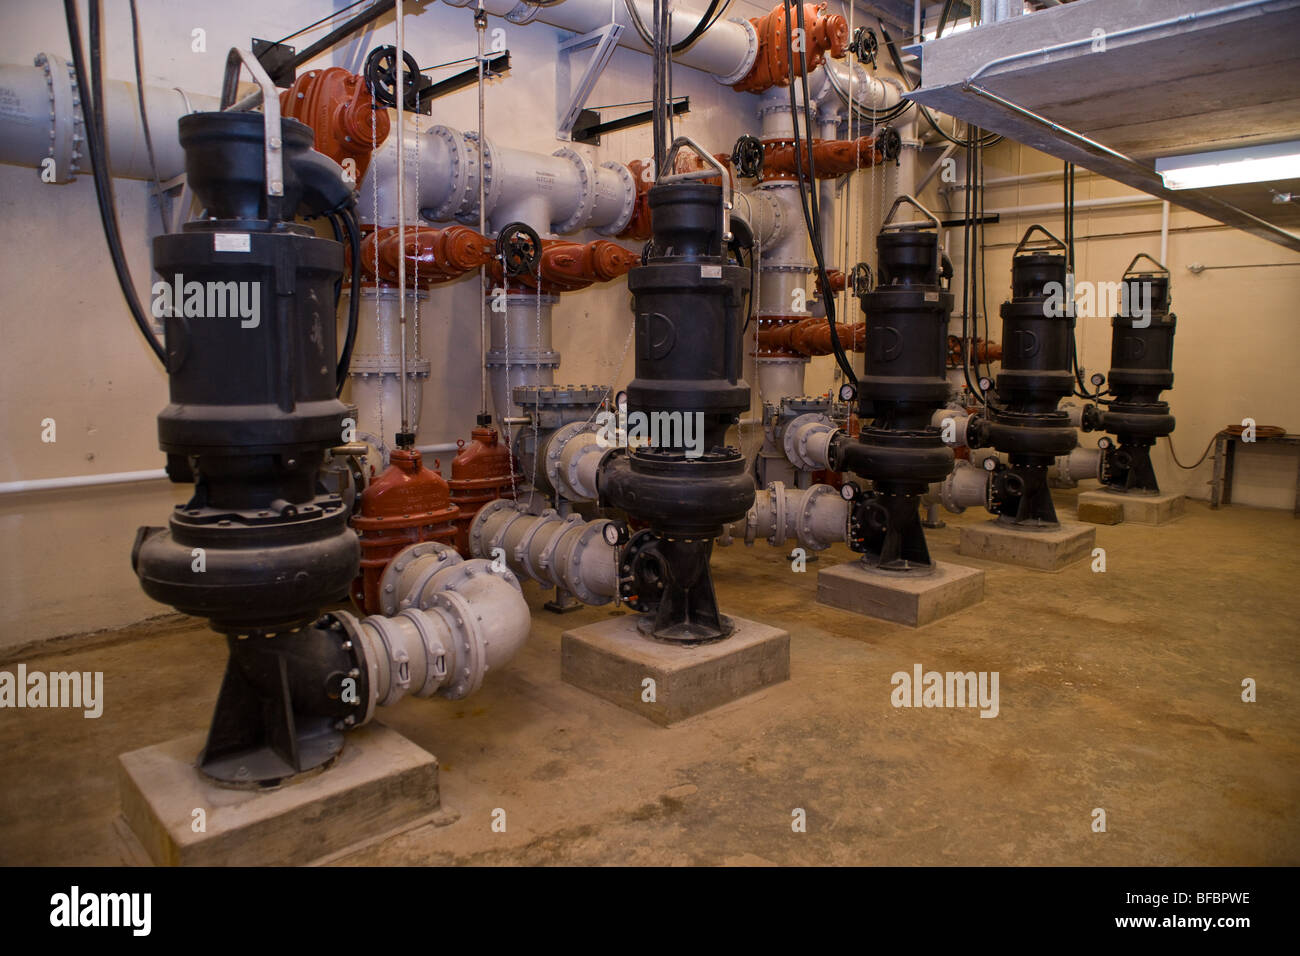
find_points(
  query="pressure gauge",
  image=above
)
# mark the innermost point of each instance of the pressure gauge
(848, 491)
(990, 463)
(614, 534)
(985, 384)
(1097, 379)
(847, 392)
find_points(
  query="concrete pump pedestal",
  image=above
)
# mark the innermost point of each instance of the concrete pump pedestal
(911, 599)
(1139, 509)
(381, 783)
(1041, 550)
(612, 659)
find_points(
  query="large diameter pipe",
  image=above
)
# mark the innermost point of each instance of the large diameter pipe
(42, 119)
(446, 624)
(569, 553)
(814, 517)
(807, 441)
(1079, 465)
(727, 50)
(966, 487)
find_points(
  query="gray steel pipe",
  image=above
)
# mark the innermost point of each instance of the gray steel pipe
(814, 517)
(556, 552)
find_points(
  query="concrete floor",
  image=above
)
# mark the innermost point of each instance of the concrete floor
(1119, 690)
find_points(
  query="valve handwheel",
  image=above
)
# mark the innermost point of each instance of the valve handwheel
(860, 280)
(519, 248)
(380, 73)
(747, 157)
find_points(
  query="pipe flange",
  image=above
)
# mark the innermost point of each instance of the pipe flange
(469, 214)
(371, 363)
(795, 439)
(376, 664)
(628, 182)
(461, 191)
(523, 550)
(459, 574)
(565, 479)
(478, 527)
(751, 53)
(413, 592)
(804, 530)
(389, 580)
(67, 125)
(586, 191)
(776, 498)
(592, 535)
(468, 650)
(547, 558)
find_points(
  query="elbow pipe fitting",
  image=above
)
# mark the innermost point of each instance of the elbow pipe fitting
(446, 623)
(569, 553)
(814, 517)
(807, 441)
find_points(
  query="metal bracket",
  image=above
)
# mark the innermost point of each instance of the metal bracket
(570, 99)
(270, 101)
(278, 59)
(588, 128)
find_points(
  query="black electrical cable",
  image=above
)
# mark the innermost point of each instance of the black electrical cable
(104, 183)
(812, 219)
(897, 60)
(966, 269)
(711, 16)
(1170, 439)
(324, 19)
(350, 224)
(144, 113)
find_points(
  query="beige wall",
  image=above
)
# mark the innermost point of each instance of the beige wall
(72, 354)
(1237, 330)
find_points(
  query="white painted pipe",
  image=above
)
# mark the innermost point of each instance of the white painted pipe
(375, 375)
(519, 350)
(80, 481)
(727, 50)
(561, 193)
(42, 118)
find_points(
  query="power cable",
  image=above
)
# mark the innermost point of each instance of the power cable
(104, 195)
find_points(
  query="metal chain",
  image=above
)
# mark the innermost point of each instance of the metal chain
(374, 226)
